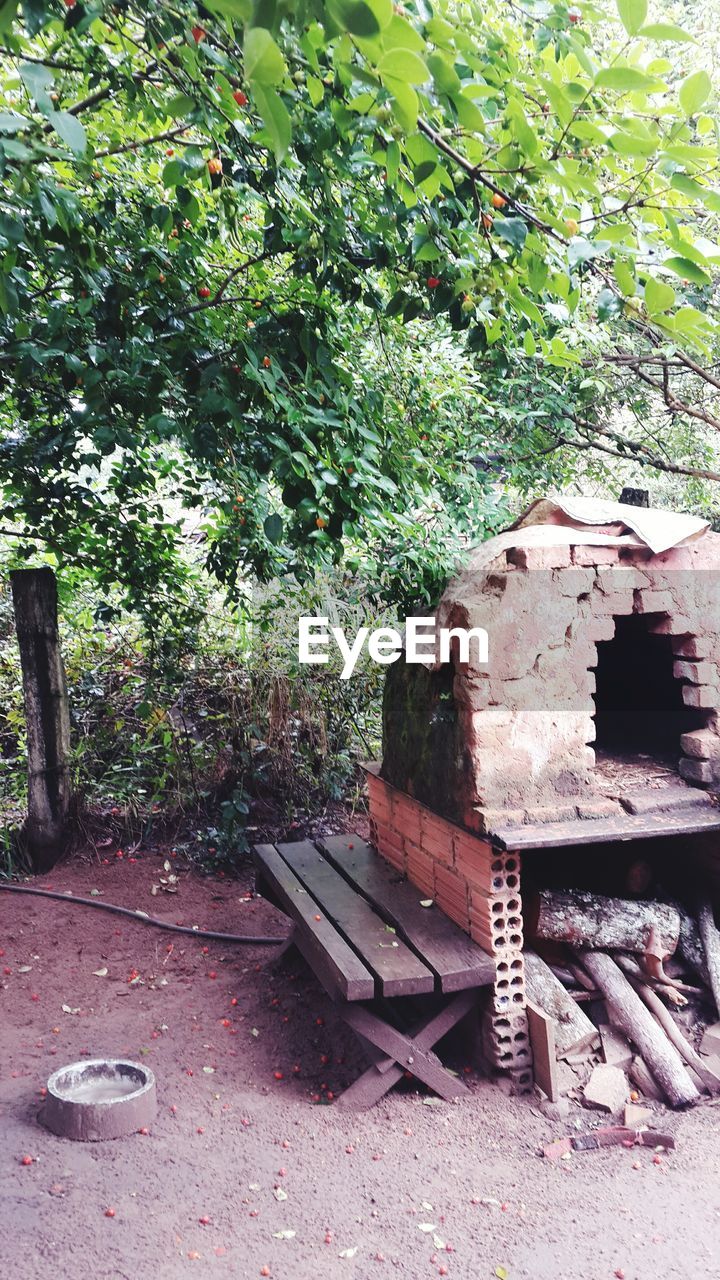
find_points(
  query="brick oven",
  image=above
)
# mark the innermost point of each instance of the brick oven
(594, 722)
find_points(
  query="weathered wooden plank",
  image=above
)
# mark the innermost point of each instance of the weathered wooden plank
(385, 1071)
(337, 966)
(413, 1054)
(398, 969)
(555, 835)
(450, 953)
(573, 1028)
(542, 1043)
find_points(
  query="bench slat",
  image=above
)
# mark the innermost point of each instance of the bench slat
(458, 962)
(337, 966)
(399, 971)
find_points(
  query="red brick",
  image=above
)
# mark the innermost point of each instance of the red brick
(585, 554)
(701, 695)
(700, 771)
(701, 744)
(406, 816)
(654, 602)
(598, 809)
(692, 646)
(420, 869)
(557, 557)
(699, 672)
(492, 818)
(552, 813)
(676, 625)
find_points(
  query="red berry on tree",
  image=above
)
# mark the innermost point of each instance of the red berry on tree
(198, 34)
(203, 291)
(433, 282)
(240, 98)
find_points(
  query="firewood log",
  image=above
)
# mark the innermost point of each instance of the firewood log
(630, 1014)
(573, 1029)
(675, 1035)
(711, 946)
(605, 924)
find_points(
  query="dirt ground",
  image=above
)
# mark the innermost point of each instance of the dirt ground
(249, 1170)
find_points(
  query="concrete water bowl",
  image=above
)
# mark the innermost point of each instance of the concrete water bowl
(99, 1098)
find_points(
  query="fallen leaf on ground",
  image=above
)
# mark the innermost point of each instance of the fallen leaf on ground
(348, 1253)
(427, 1227)
(284, 1235)
(279, 1194)
(100, 973)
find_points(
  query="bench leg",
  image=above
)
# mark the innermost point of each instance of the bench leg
(395, 1052)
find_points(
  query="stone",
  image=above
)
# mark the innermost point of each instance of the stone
(607, 1089)
(696, 771)
(556, 557)
(701, 744)
(635, 1117)
(655, 602)
(600, 808)
(710, 1043)
(701, 695)
(696, 672)
(615, 1047)
(665, 799)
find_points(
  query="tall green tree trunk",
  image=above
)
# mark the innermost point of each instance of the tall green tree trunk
(47, 715)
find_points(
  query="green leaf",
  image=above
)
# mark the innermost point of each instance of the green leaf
(624, 277)
(632, 14)
(406, 103)
(364, 18)
(469, 115)
(316, 89)
(630, 144)
(626, 80)
(695, 190)
(275, 117)
(10, 122)
(444, 74)
(264, 63)
(11, 229)
(273, 526)
(694, 91)
(658, 296)
(512, 230)
(69, 129)
(608, 305)
(686, 269)
(403, 64)
(666, 31)
(39, 82)
(237, 10)
(172, 174)
(580, 250)
(179, 106)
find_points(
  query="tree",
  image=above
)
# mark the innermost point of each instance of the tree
(206, 208)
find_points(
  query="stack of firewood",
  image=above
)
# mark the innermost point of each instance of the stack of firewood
(633, 965)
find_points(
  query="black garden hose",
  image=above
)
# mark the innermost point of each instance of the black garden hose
(141, 916)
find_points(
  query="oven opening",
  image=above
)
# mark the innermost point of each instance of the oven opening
(639, 708)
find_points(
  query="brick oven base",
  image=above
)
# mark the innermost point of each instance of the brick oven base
(478, 886)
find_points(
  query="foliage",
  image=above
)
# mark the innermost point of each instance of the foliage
(206, 209)
(184, 733)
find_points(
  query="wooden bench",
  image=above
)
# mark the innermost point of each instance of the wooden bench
(401, 975)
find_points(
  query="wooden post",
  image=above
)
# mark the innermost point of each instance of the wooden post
(47, 715)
